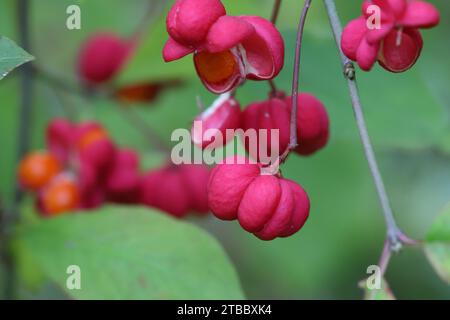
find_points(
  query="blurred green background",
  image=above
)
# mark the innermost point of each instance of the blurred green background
(407, 116)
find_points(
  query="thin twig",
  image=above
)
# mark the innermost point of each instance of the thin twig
(385, 257)
(274, 167)
(273, 88)
(275, 11)
(153, 12)
(293, 143)
(395, 237)
(57, 82)
(273, 19)
(60, 104)
(144, 128)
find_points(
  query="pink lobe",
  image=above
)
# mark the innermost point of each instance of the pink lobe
(189, 21)
(227, 32)
(224, 114)
(420, 14)
(374, 36)
(281, 219)
(173, 50)
(226, 188)
(264, 50)
(366, 56)
(259, 203)
(352, 37)
(301, 211)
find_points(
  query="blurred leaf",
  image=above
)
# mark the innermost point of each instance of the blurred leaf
(434, 65)
(27, 269)
(11, 56)
(384, 293)
(132, 253)
(434, 58)
(437, 245)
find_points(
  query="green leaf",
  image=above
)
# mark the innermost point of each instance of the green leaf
(11, 56)
(384, 293)
(437, 245)
(131, 253)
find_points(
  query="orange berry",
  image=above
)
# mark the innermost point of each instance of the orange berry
(90, 137)
(37, 169)
(60, 196)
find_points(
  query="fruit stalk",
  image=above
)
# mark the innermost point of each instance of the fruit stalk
(296, 78)
(275, 11)
(274, 19)
(144, 128)
(395, 237)
(153, 12)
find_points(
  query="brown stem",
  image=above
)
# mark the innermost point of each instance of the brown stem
(395, 237)
(385, 257)
(293, 143)
(273, 88)
(295, 83)
(275, 11)
(154, 10)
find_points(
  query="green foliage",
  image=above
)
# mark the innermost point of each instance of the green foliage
(130, 253)
(437, 245)
(11, 56)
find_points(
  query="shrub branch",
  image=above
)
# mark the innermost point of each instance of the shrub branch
(395, 238)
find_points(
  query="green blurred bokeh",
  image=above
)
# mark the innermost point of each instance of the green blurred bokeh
(407, 115)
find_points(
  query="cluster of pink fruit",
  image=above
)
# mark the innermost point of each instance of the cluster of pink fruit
(264, 203)
(225, 116)
(229, 50)
(396, 43)
(83, 168)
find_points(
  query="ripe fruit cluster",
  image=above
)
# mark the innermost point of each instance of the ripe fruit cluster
(266, 205)
(41, 172)
(396, 43)
(274, 113)
(83, 168)
(227, 49)
(177, 190)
